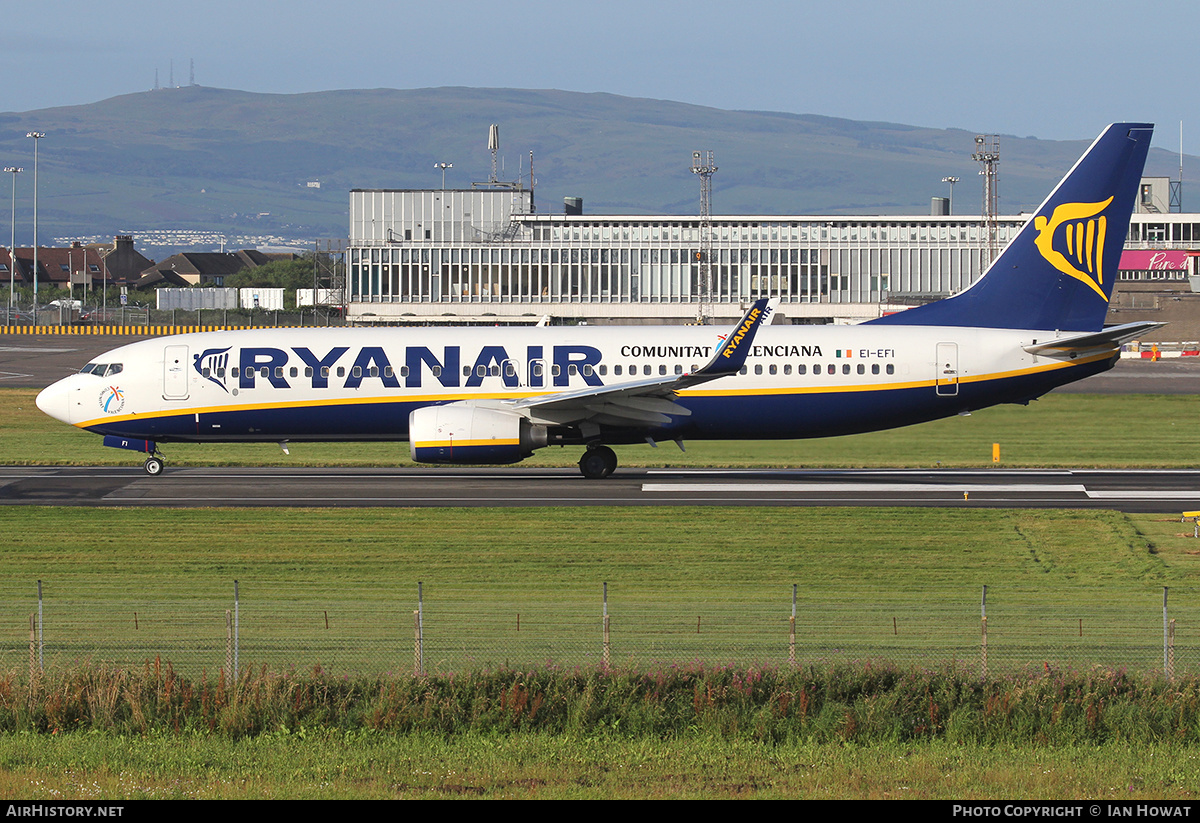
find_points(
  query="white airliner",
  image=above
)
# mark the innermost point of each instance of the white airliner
(1034, 321)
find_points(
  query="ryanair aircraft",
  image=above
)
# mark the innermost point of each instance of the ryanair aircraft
(1034, 321)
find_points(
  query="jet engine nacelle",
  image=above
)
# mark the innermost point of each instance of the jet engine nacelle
(462, 433)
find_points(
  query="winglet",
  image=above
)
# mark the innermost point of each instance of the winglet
(730, 356)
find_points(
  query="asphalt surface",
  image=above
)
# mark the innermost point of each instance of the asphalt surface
(1133, 491)
(36, 361)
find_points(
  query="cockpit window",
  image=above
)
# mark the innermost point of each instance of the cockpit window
(102, 369)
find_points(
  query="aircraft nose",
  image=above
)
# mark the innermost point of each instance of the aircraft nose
(54, 401)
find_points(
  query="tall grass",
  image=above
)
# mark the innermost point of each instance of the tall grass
(864, 703)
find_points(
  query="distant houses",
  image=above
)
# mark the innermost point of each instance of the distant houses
(90, 266)
(204, 268)
(120, 264)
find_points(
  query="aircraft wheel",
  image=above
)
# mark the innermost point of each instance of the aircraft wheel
(598, 463)
(153, 466)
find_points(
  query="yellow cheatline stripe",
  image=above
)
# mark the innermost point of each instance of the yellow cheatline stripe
(450, 398)
(461, 444)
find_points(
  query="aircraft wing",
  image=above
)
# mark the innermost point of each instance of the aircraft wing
(648, 402)
(1110, 337)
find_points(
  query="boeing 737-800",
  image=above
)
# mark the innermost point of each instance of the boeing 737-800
(1033, 321)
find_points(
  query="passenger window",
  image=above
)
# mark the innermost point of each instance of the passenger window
(572, 370)
(324, 371)
(845, 368)
(555, 370)
(742, 370)
(679, 369)
(832, 369)
(617, 371)
(537, 369)
(773, 369)
(647, 369)
(341, 371)
(587, 370)
(279, 371)
(404, 371)
(481, 371)
(373, 371)
(662, 368)
(437, 371)
(802, 369)
(264, 371)
(308, 371)
(787, 368)
(874, 368)
(206, 372)
(387, 371)
(510, 370)
(494, 371)
(891, 369)
(862, 369)
(356, 371)
(294, 372)
(758, 369)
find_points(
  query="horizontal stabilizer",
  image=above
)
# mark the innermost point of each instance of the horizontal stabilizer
(1110, 337)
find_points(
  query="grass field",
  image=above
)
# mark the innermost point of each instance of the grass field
(522, 587)
(1071, 430)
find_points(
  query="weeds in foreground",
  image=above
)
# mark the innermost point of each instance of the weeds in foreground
(863, 703)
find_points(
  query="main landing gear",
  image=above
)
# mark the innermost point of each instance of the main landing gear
(153, 465)
(598, 462)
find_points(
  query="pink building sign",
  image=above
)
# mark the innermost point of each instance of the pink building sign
(1154, 260)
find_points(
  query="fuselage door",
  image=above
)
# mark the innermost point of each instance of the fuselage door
(175, 378)
(947, 369)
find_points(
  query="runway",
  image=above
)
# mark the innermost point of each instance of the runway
(34, 362)
(1130, 491)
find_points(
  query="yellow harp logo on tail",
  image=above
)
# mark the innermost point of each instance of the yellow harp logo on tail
(1084, 232)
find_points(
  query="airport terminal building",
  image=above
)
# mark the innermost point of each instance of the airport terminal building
(483, 255)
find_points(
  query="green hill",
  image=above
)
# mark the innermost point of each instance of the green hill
(236, 162)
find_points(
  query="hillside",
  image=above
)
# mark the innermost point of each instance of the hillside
(238, 162)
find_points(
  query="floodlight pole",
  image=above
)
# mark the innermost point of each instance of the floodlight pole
(12, 243)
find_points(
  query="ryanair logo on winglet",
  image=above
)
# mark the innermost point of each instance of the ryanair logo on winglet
(736, 338)
(1084, 228)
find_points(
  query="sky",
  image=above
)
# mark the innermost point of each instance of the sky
(1049, 69)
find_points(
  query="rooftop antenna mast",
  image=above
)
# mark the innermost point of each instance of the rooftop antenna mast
(703, 165)
(493, 147)
(987, 152)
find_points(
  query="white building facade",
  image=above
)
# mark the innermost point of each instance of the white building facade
(483, 256)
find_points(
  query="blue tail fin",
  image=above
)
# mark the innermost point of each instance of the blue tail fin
(1058, 272)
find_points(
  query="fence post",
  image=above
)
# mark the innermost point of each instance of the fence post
(792, 631)
(419, 632)
(606, 648)
(1166, 661)
(983, 616)
(40, 627)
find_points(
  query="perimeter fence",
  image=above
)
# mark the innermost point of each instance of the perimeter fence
(444, 628)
